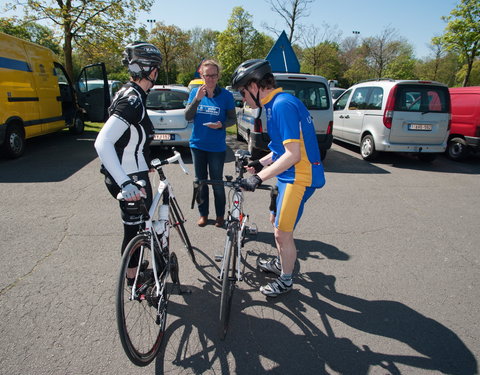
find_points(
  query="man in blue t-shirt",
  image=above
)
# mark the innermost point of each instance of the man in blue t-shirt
(212, 109)
(294, 159)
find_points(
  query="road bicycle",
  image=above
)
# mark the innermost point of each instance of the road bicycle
(237, 231)
(142, 289)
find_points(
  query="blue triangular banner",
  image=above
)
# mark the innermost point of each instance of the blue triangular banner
(282, 57)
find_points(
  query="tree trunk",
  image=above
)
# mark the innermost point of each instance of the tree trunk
(67, 50)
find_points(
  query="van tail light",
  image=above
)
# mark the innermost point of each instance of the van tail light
(257, 126)
(388, 114)
(449, 122)
(330, 127)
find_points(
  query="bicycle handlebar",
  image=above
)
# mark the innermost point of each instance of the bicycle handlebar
(157, 163)
(228, 182)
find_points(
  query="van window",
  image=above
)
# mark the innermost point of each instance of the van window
(375, 98)
(359, 98)
(313, 94)
(60, 75)
(342, 101)
(422, 98)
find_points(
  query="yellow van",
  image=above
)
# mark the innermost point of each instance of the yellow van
(37, 97)
(195, 83)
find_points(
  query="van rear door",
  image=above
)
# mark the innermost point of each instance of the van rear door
(93, 98)
(421, 114)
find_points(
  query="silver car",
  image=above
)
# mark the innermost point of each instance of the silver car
(394, 116)
(166, 108)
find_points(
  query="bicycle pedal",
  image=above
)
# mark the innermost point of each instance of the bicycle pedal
(252, 229)
(218, 258)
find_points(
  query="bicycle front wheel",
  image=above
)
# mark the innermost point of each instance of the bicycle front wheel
(141, 311)
(228, 282)
(177, 221)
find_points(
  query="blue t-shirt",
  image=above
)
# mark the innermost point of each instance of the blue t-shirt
(288, 120)
(210, 110)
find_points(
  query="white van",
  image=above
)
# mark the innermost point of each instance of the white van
(394, 116)
(312, 90)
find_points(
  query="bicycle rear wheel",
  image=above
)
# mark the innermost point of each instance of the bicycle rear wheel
(141, 317)
(228, 282)
(177, 220)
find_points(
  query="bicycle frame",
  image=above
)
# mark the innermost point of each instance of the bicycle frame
(165, 191)
(236, 221)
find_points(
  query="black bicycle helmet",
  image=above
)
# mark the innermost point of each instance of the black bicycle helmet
(250, 70)
(140, 58)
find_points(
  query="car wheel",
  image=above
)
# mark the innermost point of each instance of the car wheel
(427, 157)
(323, 153)
(457, 149)
(14, 145)
(367, 148)
(78, 125)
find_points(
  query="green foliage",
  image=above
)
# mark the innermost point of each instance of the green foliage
(172, 42)
(440, 68)
(402, 67)
(184, 78)
(30, 31)
(98, 30)
(201, 45)
(462, 34)
(240, 42)
(322, 59)
(80, 21)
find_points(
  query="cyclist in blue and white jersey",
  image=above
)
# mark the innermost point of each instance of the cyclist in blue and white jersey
(294, 159)
(123, 143)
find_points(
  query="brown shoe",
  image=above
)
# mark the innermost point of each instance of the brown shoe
(202, 221)
(219, 222)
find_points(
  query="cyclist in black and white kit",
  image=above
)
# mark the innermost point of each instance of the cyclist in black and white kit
(123, 143)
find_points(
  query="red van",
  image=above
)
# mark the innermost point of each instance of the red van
(465, 129)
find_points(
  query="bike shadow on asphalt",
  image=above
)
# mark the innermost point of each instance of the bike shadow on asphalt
(296, 333)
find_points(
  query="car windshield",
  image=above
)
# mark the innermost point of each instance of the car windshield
(166, 99)
(313, 94)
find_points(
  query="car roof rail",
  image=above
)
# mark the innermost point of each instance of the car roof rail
(377, 79)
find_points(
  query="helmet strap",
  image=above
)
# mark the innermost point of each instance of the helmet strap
(257, 100)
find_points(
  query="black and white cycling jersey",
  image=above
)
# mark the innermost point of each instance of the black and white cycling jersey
(123, 143)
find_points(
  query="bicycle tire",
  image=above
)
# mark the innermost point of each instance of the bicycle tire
(141, 324)
(174, 269)
(228, 283)
(177, 222)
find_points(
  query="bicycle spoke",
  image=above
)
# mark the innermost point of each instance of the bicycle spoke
(137, 318)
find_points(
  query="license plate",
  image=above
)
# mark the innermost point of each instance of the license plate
(423, 127)
(164, 137)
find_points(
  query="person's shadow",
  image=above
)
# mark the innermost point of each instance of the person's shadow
(281, 337)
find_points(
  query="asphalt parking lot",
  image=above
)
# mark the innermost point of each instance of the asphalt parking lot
(387, 278)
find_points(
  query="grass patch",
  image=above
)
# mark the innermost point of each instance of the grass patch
(93, 126)
(232, 130)
(97, 126)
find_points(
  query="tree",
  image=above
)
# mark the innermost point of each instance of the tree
(384, 49)
(462, 33)
(321, 53)
(239, 42)
(201, 45)
(172, 43)
(30, 31)
(291, 11)
(79, 20)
